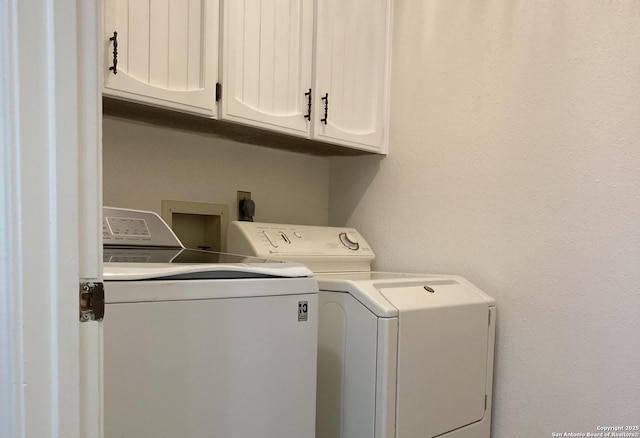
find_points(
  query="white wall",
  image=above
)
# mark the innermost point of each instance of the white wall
(145, 164)
(515, 161)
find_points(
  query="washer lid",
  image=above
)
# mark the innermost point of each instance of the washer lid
(171, 271)
(117, 254)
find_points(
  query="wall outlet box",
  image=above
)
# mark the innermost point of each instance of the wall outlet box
(241, 197)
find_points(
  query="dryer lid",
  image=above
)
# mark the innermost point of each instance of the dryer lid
(369, 288)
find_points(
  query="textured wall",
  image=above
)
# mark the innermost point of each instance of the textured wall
(515, 161)
(145, 164)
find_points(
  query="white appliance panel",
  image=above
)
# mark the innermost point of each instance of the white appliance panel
(232, 368)
(347, 348)
(386, 379)
(176, 290)
(442, 358)
(321, 249)
(128, 227)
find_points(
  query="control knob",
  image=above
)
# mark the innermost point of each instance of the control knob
(350, 240)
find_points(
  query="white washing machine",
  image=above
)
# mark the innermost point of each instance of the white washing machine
(399, 355)
(201, 344)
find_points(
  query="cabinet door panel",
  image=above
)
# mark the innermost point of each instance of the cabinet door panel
(352, 67)
(197, 45)
(267, 63)
(138, 38)
(159, 33)
(167, 52)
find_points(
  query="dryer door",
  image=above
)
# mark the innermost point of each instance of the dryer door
(442, 357)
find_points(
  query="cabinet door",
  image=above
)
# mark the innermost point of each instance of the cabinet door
(352, 71)
(167, 52)
(267, 54)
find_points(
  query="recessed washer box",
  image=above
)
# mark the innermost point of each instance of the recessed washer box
(198, 224)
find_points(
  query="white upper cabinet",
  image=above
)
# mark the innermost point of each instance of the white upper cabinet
(315, 69)
(351, 90)
(271, 58)
(167, 52)
(267, 62)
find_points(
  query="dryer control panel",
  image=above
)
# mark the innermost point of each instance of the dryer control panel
(323, 249)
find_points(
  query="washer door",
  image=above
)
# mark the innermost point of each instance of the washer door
(442, 357)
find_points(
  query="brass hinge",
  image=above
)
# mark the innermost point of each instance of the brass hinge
(91, 301)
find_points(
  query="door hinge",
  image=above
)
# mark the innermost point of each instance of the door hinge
(485, 402)
(91, 301)
(489, 321)
(218, 91)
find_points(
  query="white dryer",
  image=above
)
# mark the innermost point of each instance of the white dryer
(399, 355)
(201, 344)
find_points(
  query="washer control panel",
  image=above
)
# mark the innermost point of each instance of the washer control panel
(126, 227)
(301, 243)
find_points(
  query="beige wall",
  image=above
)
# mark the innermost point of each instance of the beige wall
(515, 161)
(145, 164)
